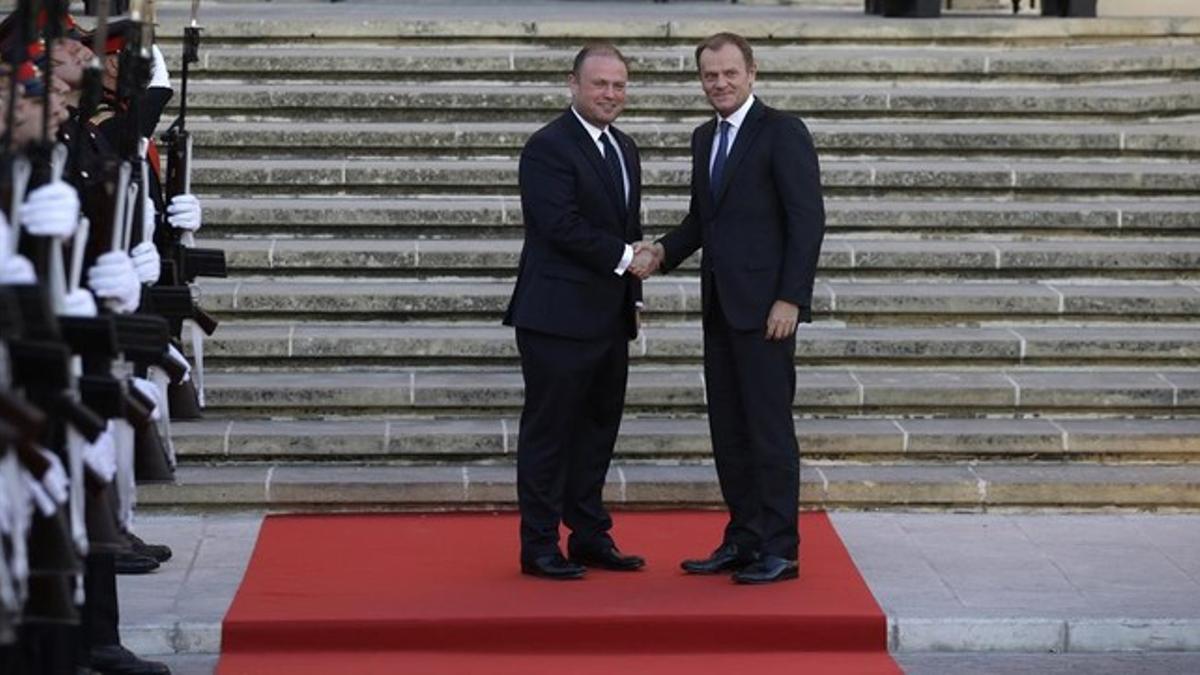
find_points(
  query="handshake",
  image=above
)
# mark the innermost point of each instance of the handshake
(647, 258)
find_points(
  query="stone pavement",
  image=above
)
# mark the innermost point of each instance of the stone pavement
(997, 593)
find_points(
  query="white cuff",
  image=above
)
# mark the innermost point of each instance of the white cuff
(159, 77)
(626, 261)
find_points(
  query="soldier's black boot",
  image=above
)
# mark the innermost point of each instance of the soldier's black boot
(129, 562)
(117, 660)
(159, 552)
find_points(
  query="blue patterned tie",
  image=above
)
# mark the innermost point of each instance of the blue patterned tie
(718, 167)
(614, 167)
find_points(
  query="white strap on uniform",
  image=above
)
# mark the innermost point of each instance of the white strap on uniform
(123, 438)
(75, 445)
(198, 357)
(161, 380)
(11, 489)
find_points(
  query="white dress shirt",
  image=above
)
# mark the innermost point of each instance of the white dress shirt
(735, 122)
(596, 132)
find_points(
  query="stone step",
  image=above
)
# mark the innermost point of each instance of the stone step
(973, 485)
(476, 439)
(424, 414)
(501, 215)
(301, 343)
(410, 298)
(257, 176)
(424, 102)
(1162, 259)
(429, 24)
(937, 391)
(224, 138)
(547, 63)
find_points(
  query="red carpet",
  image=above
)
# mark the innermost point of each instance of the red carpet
(442, 594)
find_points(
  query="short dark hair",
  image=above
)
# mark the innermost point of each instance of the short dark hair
(597, 48)
(715, 42)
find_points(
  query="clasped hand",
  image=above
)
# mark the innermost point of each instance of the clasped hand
(647, 258)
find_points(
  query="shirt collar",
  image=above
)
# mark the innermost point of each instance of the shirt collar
(735, 120)
(594, 131)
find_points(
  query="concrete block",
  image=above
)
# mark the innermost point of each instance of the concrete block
(963, 635)
(1108, 635)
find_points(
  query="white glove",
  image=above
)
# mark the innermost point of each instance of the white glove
(114, 279)
(159, 77)
(51, 210)
(55, 480)
(147, 389)
(177, 356)
(79, 302)
(184, 212)
(148, 210)
(44, 502)
(101, 456)
(146, 262)
(16, 269)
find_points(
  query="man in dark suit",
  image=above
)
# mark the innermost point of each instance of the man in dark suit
(575, 307)
(757, 212)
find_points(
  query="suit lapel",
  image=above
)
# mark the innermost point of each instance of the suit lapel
(700, 158)
(741, 144)
(584, 140)
(633, 166)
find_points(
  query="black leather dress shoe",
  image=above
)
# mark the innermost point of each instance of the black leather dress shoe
(608, 558)
(129, 562)
(768, 570)
(552, 566)
(726, 558)
(160, 552)
(117, 660)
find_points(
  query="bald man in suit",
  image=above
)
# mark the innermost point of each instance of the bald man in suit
(575, 308)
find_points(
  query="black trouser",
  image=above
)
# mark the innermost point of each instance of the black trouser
(41, 649)
(100, 615)
(574, 397)
(751, 382)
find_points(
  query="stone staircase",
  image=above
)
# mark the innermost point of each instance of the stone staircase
(1006, 310)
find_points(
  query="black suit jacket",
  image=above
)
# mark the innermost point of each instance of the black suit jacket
(575, 236)
(762, 234)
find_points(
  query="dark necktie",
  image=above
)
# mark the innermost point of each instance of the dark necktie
(718, 167)
(614, 168)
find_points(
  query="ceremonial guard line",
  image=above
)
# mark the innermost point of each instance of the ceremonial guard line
(96, 269)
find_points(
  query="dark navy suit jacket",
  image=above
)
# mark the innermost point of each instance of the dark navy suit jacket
(575, 236)
(762, 233)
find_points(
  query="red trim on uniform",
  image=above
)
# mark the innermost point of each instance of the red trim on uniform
(153, 158)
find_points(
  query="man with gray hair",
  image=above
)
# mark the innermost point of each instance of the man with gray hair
(757, 211)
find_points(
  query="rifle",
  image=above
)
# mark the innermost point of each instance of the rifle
(184, 263)
(145, 335)
(190, 262)
(94, 339)
(90, 337)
